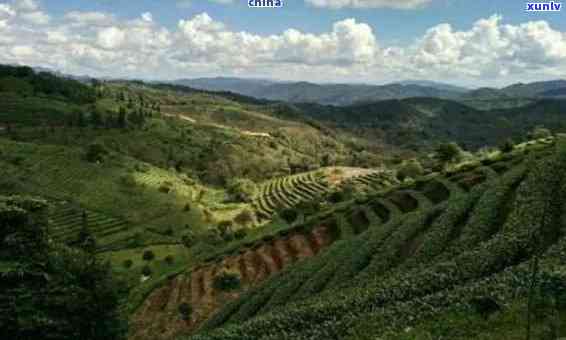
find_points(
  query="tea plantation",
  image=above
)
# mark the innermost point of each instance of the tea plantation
(482, 241)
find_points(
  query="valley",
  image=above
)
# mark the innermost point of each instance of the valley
(221, 216)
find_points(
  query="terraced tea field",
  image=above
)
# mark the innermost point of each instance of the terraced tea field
(267, 268)
(375, 180)
(66, 220)
(441, 244)
(287, 192)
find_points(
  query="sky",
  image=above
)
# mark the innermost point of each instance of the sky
(471, 43)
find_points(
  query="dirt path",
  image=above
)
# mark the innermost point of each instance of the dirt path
(220, 126)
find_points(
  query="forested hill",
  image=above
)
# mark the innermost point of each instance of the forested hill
(418, 122)
(25, 81)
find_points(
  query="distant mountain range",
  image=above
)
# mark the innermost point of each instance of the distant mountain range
(348, 94)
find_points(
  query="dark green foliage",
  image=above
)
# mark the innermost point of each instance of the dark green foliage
(240, 234)
(507, 146)
(185, 311)
(52, 291)
(242, 190)
(410, 169)
(447, 152)
(188, 239)
(46, 84)
(96, 152)
(227, 281)
(289, 215)
(148, 255)
(169, 259)
(539, 132)
(128, 263)
(245, 217)
(146, 270)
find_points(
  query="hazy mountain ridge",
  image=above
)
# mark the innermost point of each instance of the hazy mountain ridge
(348, 94)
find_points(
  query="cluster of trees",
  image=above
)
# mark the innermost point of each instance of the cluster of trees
(51, 291)
(26, 81)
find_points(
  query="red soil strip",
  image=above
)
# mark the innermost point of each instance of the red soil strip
(197, 290)
(251, 266)
(319, 238)
(265, 254)
(242, 269)
(284, 254)
(176, 285)
(301, 246)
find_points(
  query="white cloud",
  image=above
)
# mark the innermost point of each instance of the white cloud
(488, 53)
(111, 37)
(26, 5)
(89, 18)
(36, 17)
(6, 11)
(398, 4)
(147, 17)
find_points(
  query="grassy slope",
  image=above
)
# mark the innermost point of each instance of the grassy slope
(433, 277)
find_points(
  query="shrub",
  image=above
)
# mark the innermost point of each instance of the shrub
(128, 180)
(289, 215)
(212, 237)
(96, 152)
(410, 169)
(166, 187)
(447, 152)
(188, 239)
(146, 270)
(187, 207)
(225, 227)
(245, 217)
(240, 234)
(169, 259)
(507, 146)
(226, 281)
(148, 255)
(185, 310)
(242, 190)
(128, 263)
(539, 132)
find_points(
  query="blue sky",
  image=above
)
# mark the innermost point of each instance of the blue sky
(391, 25)
(472, 43)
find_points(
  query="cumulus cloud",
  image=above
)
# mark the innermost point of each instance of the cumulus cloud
(398, 4)
(101, 44)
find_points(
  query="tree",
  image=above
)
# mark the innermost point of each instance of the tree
(96, 152)
(80, 117)
(507, 146)
(410, 169)
(185, 310)
(539, 132)
(60, 292)
(128, 263)
(95, 118)
(86, 239)
(146, 270)
(242, 190)
(289, 215)
(227, 281)
(448, 152)
(245, 217)
(148, 255)
(122, 118)
(169, 259)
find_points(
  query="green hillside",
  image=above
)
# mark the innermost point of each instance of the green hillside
(441, 262)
